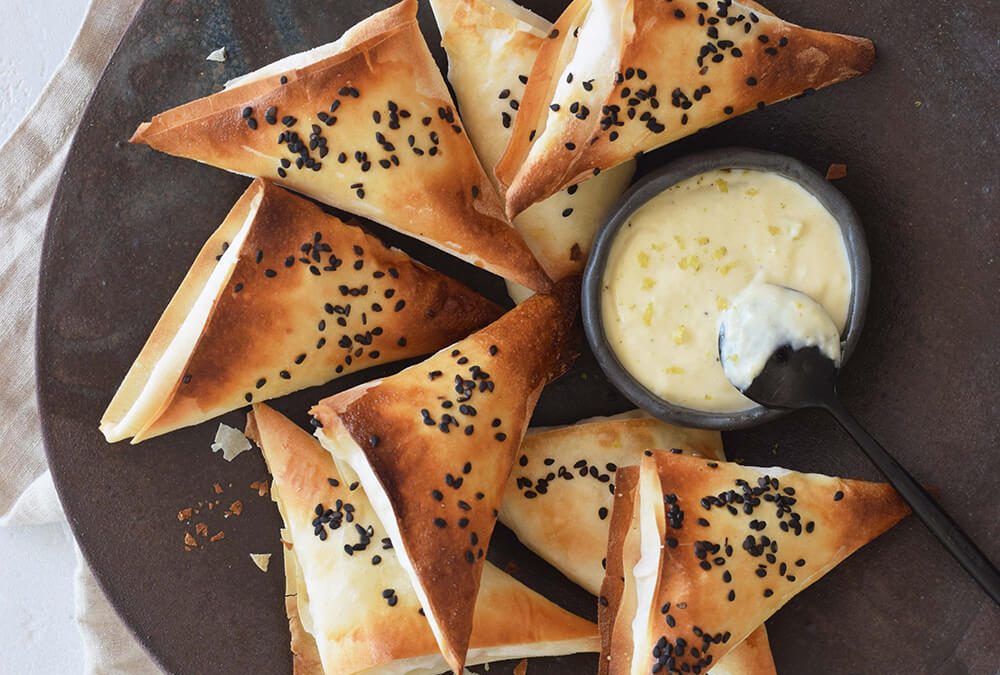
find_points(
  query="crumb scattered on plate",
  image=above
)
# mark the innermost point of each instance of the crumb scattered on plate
(231, 441)
(836, 172)
(261, 560)
(219, 55)
(521, 668)
(235, 509)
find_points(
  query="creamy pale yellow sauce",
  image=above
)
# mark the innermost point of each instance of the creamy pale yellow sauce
(689, 251)
(764, 317)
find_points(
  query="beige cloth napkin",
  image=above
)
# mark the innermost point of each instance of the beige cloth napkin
(30, 165)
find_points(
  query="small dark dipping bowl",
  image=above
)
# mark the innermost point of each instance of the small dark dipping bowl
(651, 186)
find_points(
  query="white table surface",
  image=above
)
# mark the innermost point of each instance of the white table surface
(37, 633)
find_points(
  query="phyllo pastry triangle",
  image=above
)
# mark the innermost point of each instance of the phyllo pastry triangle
(491, 48)
(351, 607)
(560, 496)
(284, 297)
(434, 444)
(365, 124)
(702, 552)
(560, 492)
(621, 77)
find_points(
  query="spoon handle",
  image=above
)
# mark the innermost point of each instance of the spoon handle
(940, 523)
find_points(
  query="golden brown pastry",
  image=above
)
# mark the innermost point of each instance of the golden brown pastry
(365, 124)
(702, 552)
(559, 498)
(433, 446)
(622, 77)
(284, 297)
(351, 607)
(491, 47)
(559, 494)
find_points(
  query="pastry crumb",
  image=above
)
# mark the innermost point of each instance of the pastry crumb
(235, 509)
(261, 560)
(261, 486)
(219, 55)
(836, 172)
(218, 536)
(521, 668)
(185, 514)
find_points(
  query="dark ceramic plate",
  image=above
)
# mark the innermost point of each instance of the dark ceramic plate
(922, 143)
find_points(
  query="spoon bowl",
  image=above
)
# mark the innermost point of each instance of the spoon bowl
(794, 378)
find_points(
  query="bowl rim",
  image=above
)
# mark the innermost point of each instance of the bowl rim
(652, 185)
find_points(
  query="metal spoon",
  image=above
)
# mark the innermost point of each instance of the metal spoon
(807, 378)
